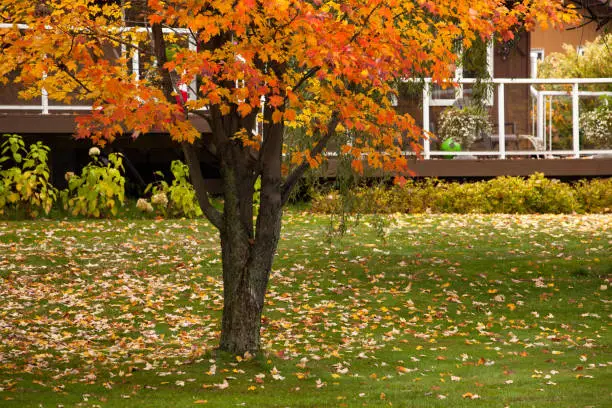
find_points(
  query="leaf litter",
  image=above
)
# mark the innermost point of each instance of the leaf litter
(96, 302)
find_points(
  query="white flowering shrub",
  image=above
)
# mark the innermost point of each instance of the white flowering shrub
(177, 199)
(143, 205)
(596, 126)
(160, 199)
(463, 125)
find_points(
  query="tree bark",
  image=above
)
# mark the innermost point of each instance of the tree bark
(244, 289)
(248, 252)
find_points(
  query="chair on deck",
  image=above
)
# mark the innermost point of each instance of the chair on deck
(511, 136)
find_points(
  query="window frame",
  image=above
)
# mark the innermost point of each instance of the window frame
(433, 101)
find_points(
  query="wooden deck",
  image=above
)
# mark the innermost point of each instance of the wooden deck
(592, 167)
(56, 130)
(487, 168)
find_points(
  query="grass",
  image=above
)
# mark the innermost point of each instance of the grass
(467, 310)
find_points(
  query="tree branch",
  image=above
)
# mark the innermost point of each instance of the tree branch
(195, 174)
(191, 155)
(62, 67)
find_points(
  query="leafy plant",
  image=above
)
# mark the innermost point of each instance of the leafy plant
(177, 199)
(595, 195)
(595, 63)
(463, 125)
(535, 194)
(597, 125)
(25, 185)
(99, 190)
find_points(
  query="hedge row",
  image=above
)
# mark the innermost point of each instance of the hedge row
(535, 194)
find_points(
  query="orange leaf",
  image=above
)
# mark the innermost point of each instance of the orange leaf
(277, 116)
(155, 19)
(290, 115)
(244, 109)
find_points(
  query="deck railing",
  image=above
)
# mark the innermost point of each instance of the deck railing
(539, 95)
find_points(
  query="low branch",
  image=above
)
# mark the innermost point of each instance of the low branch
(197, 179)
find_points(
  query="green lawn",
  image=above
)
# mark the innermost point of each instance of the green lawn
(470, 310)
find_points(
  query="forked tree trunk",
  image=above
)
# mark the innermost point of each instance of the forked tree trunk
(247, 251)
(246, 270)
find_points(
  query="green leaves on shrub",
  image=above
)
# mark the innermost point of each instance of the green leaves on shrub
(25, 185)
(177, 199)
(99, 190)
(536, 194)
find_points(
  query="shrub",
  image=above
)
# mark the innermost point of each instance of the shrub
(463, 125)
(595, 63)
(177, 199)
(597, 125)
(99, 190)
(536, 194)
(595, 196)
(25, 185)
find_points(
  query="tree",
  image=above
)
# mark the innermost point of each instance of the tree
(329, 67)
(596, 62)
(598, 12)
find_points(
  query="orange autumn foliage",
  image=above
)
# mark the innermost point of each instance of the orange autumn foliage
(320, 57)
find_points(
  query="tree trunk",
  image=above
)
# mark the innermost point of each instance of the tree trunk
(244, 290)
(246, 269)
(247, 252)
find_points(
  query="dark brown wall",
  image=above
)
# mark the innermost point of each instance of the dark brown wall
(510, 61)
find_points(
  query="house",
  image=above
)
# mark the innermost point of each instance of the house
(510, 103)
(546, 42)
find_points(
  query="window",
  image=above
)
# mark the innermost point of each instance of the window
(535, 56)
(537, 53)
(467, 69)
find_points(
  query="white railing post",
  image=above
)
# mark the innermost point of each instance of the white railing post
(44, 99)
(534, 66)
(550, 122)
(501, 120)
(426, 129)
(193, 46)
(540, 117)
(575, 121)
(136, 62)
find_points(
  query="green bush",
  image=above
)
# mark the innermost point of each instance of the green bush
(25, 186)
(516, 195)
(595, 195)
(99, 190)
(177, 199)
